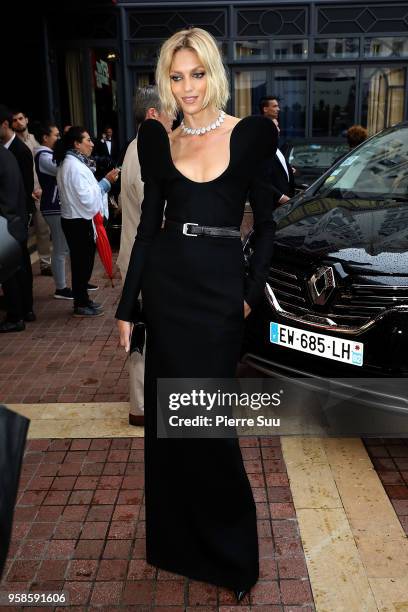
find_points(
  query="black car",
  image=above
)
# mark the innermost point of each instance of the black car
(336, 300)
(312, 158)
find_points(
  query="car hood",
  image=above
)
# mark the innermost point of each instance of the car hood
(369, 235)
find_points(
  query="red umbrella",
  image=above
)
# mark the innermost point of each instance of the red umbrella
(103, 245)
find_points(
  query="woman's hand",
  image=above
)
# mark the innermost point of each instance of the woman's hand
(125, 331)
(112, 175)
(247, 309)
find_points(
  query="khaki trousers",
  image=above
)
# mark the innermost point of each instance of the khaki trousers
(42, 233)
(136, 382)
(136, 375)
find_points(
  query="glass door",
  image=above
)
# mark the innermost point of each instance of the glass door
(333, 100)
(248, 87)
(383, 97)
(290, 86)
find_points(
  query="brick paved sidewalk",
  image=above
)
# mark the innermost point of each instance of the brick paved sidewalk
(62, 359)
(79, 522)
(390, 460)
(79, 526)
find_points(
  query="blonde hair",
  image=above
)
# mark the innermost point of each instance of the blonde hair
(205, 46)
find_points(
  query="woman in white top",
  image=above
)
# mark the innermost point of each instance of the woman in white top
(81, 197)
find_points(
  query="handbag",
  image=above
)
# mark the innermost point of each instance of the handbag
(10, 252)
(137, 340)
(13, 433)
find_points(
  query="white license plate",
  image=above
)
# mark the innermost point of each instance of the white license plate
(339, 349)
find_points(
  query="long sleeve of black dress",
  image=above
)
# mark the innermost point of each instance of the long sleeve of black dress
(261, 198)
(150, 220)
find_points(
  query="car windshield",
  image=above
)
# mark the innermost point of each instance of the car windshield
(313, 155)
(377, 170)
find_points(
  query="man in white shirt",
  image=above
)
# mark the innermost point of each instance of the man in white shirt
(146, 106)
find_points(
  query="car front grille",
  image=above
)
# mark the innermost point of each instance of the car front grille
(351, 305)
(288, 288)
(369, 300)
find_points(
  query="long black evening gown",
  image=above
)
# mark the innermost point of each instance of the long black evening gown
(200, 512)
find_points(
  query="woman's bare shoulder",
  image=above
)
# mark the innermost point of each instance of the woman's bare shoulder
(175, 135)
(230, 121)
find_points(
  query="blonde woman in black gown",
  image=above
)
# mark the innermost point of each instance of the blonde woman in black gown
(200, 511)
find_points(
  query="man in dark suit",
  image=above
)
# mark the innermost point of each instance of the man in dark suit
(19, 294)
(13, 208)
(106, 151)
(106, 154)
(278, 172)
(21, 152)
(108, 147)
(12, 196)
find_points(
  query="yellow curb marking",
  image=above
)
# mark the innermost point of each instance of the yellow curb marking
(80, 420)
(356, 550)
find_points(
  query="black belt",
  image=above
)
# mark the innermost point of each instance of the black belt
(193, 229)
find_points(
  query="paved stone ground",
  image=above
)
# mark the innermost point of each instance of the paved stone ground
(80, 519)
(62, 359)
(390, 459)
(79, 527)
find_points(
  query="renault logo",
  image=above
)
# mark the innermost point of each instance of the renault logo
(321, 285)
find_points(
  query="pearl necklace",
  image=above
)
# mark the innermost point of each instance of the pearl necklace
(203, 130)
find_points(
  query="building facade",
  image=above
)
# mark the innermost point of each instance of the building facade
(332, 63)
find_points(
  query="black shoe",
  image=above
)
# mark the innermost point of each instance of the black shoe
(30, 317)
(240, 595)
(95, 305)
(87, 312)
(63, 294)
(46, 271)
(92, 287)
(11, 326)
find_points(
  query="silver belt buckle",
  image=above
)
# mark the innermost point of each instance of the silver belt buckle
(185, 229)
